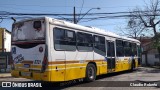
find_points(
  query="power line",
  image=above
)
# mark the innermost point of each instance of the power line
(107, 24)
(113, 15)
(126, 13)
(1, 19)
(3, 4)
(81, 9)
(26, 9)
(62, 14)
(33, 5)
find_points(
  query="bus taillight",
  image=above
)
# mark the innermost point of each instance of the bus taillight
(45, 60)
(44, 63)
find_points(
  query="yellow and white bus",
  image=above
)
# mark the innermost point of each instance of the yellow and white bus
(48, 49)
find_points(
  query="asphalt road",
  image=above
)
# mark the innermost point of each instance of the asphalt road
(140, 79)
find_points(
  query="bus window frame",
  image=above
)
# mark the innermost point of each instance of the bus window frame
(99, 43)
(92, 44)
(65, 30)
(122, 46)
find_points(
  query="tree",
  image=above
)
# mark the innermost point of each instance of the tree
(133, 29)
(149, 19)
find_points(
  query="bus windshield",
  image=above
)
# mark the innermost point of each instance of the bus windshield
(28, 30)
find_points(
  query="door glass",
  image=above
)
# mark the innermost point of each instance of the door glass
(110, 49)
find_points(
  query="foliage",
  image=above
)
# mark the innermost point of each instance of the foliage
(148, 18)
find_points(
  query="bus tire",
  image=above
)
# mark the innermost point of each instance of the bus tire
(90, 73)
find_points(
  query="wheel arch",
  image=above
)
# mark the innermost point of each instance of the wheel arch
(93, 64)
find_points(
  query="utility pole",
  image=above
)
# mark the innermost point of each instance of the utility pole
(74, 15)
(86, 13)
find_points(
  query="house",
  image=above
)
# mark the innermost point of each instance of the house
(150, 55)
(5, 49)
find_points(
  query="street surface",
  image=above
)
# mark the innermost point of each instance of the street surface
(149, 75)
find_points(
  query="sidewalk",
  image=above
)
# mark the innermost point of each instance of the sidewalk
(157, 67)
(3, 75)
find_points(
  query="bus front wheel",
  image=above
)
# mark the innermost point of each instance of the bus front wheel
(90, 73)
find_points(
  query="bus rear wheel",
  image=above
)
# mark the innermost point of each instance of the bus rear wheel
(90, 73)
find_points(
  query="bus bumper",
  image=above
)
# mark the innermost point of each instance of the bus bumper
(31, 75)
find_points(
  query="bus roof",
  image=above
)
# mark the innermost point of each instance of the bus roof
(85, 28)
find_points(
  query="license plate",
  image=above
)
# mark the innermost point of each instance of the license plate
(26, 73)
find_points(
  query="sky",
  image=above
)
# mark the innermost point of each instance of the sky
(66, 7)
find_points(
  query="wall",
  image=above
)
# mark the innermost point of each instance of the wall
(7, 41)
(1, 33)
(151, 59)
(5, 56)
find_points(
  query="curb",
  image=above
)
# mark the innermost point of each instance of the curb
(4, 75)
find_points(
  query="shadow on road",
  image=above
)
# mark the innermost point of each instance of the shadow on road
(114, 74)
(148, 70)
(81, 83)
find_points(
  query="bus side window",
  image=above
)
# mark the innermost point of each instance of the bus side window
(110, 49)
(139, 50)
(134, 49)
(119, 48)
(99, 45)
(64, 40)
(127, 48)
(70, 40)
(84, 41)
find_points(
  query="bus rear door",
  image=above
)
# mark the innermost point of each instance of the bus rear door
(110, 56)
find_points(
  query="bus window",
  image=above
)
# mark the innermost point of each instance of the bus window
(110, 49)
(139, 50)
(24, 31)
(127, 48)
(99, 45)
(64, 39)
(134, 49)
(84, 41)
(119, 48)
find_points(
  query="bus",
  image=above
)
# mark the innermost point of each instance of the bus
(49, 49)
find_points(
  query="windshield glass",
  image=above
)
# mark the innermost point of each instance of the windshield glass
(25, 31)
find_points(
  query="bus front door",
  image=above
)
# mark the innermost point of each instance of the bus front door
(110, 56)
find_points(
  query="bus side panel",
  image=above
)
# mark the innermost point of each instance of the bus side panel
(99, 59)
(76, 64)
(125, 63)
(75, 71)
(56, 65)
(120, 64)
(136, 62)
(57, 75)
(103, 68)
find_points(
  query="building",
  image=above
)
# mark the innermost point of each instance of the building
(5, 48)
(150, 55)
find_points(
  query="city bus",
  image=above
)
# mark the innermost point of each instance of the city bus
(49, 49)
